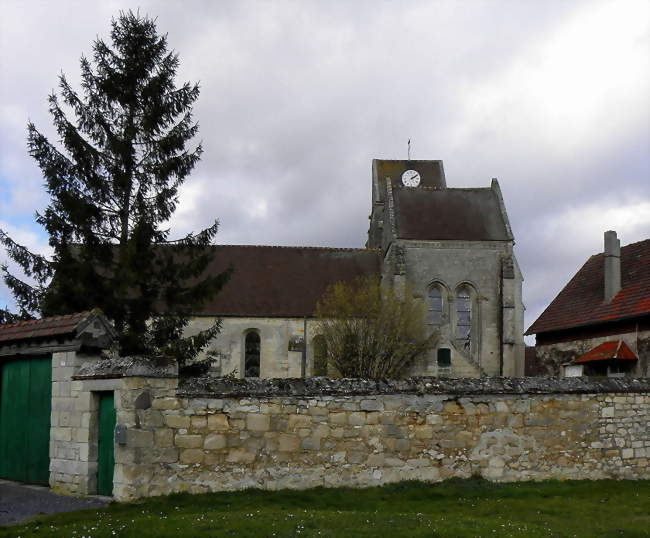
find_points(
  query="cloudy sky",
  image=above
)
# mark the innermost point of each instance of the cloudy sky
(552, 98)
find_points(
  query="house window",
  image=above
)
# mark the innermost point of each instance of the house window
(252, 355)
(435, 306)
(320, 355)
(464, 319)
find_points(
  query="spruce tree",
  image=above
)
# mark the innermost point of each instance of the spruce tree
(113, 182)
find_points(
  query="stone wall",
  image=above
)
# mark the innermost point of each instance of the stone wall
(551, 356)
(276, 360)
(75, 412)
(73, 428)
(213, 435)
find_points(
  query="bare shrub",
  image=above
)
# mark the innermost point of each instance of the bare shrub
(370, 331)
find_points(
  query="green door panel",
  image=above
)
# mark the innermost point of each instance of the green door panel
(106, 441)
(25, 405)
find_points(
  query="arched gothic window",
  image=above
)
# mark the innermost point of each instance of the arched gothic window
(464, 318)
(252, 355)
(435, 312)
(320, 355)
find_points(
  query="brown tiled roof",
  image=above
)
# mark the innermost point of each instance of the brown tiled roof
(451, 214)
(616, 349)
(283, 281)
(581, 301)
(42, 328)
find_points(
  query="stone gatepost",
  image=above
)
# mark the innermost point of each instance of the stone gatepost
(142, 388)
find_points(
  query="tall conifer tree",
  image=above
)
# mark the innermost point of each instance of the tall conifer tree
(113, 182)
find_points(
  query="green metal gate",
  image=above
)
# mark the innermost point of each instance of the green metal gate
(106, 438)
(25, 406)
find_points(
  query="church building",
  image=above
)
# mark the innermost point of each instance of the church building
(452, 246)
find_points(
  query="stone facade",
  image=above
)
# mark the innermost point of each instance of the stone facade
(553, 356)
(497, 321)
(423, 237)
(276, 334)
(215, 434)
(73, 428)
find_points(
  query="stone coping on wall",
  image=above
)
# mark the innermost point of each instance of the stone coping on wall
(318, 386)
(115, 367)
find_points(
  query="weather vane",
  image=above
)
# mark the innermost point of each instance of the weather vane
(408, 145)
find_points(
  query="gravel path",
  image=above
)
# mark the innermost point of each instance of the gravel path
(21, 501)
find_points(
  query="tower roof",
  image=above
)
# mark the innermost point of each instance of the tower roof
(449, 214)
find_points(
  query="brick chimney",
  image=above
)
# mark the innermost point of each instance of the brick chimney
(612, 265)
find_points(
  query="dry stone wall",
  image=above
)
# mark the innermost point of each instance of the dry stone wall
(214, 435)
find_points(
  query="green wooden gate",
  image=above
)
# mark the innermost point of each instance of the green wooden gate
(106, 438)
(25, 406)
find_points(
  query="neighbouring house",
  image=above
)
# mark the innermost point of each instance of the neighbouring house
(453, 246)
(599, 324)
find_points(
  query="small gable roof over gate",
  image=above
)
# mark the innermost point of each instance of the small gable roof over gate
(72, 332)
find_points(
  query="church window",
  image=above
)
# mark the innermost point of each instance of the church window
(435, 306)
(464, 319)
(320, 355)
(252, 355)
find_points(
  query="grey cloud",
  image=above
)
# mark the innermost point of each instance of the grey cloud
(299, 97)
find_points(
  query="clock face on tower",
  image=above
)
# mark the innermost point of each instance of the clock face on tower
(410, 178)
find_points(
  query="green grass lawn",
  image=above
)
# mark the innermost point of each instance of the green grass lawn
(448, 509)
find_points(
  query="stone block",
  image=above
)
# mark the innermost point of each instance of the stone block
(163, 437)
(322, 430)
(318, 411)
(139, 438)
(177, 421)
(218, 422)
(165, 455)
(298, 421)
(311, 443)
(375, 460)
(390, 430)
(152, 418)
(357, 418)
(81, 435)
(607, 412)
(372, 417)
(371, 405)
(215, 404)
(191, 456)
(356, 457)
(424, 432)
(240, 456)
(166, 404)
(258, 422)
(215, 441)
(188, 441)
(199, 423)
(402, 445)
(338, 418)
(288, 443)
(452, 408)
(61, 434)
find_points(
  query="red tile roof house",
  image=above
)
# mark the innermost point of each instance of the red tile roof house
(599, 324)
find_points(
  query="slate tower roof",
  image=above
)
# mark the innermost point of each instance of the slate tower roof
(429, 210)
